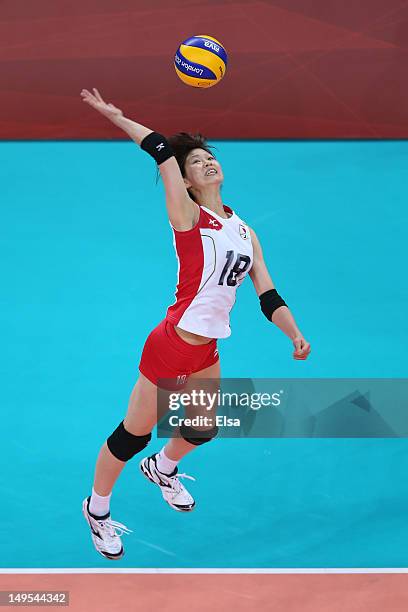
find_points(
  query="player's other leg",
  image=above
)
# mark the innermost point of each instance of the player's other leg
(131, 436)
(162, 468)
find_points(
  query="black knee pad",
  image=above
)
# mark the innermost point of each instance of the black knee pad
(123, 445)
(190, 434)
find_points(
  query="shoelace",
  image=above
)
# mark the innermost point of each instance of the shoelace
(176, 484)
(115, 528)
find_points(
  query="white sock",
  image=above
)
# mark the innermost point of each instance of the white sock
(164, 464)
(99, 505)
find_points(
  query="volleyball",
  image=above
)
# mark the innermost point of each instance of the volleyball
(201, 61)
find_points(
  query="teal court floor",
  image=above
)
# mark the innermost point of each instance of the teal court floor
(88, 269)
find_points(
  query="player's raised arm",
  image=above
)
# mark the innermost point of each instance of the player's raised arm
(180, 207)
(272, 305)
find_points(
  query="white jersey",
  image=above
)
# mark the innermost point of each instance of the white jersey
(213, 259)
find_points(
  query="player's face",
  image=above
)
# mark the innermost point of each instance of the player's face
(199, 169)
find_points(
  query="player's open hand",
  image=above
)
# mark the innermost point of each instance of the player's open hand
(95, 100)
(302, 348)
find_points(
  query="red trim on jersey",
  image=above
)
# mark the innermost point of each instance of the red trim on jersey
(189, 251)
(228, 209)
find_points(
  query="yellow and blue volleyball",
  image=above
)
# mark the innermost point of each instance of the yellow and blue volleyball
(201, 61)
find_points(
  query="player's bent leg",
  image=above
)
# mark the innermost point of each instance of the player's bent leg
(173, 491)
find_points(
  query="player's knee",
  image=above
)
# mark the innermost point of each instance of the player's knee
(196, 437)
(123, 445)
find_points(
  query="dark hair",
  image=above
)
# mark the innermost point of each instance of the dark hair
(182, 143)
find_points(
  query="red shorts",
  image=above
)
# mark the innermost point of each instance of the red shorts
(166, 355)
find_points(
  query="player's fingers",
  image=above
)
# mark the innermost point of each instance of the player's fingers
(90, 101)
(304, 345)
(87, 95)
(98, 95)
(303, 353)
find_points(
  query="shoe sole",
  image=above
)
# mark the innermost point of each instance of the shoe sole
(146, 473)
(112, 557)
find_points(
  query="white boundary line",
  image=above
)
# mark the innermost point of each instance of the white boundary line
(204, 570)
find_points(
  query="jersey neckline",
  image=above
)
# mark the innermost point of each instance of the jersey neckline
(225, 207)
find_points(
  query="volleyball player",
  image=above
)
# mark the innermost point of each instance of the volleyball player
(216, 250)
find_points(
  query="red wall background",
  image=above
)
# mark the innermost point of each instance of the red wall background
(297, 68)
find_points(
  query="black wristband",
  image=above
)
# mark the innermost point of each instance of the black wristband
(270, 301)
(157, 146)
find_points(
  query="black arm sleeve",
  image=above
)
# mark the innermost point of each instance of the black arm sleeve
(269, 302)
(157, 146)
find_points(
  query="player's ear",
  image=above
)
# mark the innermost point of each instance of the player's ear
(187, 183)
